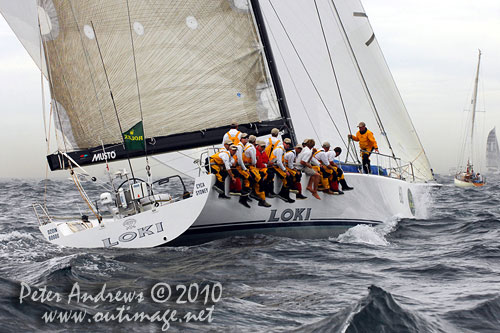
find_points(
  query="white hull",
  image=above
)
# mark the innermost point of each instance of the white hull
(374, 200)
(204, 217)
(151, 228)
(461, 183)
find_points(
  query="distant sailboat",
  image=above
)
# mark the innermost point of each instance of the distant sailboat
(466, 175)
(492, 153)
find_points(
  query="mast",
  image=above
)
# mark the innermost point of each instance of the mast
(474, 102)
(278, 87)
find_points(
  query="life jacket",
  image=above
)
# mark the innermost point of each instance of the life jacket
(235, 138)
(247, 159)
(216, 157)
(271, 146)
(366, 140)
(273, 157)
(316, 153)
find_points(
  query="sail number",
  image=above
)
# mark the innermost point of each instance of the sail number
(52, 234)
(200, 189)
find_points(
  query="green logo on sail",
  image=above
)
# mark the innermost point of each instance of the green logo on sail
(134, 137)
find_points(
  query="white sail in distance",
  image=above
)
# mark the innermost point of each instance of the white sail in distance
(492, 152)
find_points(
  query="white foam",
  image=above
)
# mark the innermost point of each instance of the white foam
(423, 201)
(14, 235)
(366, 234)
(363, 234)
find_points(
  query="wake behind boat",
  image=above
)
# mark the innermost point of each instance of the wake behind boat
(131, 79)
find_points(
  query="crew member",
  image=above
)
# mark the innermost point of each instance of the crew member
(305, 163)
(262, 161)
(272, 142)
(332, 155)
(220, 165)
(277, 162)
(250, 159)
(290, 158)
(367, 144)
(241, 169)
(327, 173)
(233, 134)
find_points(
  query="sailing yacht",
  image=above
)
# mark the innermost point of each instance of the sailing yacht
(137, 79)
(492, 153)
(466, 175)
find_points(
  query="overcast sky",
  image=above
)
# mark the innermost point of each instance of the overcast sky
(430, 46)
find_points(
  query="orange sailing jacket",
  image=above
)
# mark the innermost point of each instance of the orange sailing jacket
(366, 140)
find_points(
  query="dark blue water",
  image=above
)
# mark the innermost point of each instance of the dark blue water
(438, 273)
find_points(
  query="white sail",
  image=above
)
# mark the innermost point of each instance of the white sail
(320, 107)
(180, 66)
(492, 152)
(22, 17)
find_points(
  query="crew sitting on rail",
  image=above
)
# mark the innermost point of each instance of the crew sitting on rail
(242, 171)
(272, 142)
(233, 134)
(262, 162)
(290, 158)
(332, 154)
(305, 163)
(276, 161)
(250, 158)
(220, 165)
(328, 174)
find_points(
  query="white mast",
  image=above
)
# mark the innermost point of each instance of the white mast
(474, 102)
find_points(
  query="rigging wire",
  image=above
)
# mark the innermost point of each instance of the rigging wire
(365, 84)
(307, 72)
(293, 82)
(113, 100)
(83, 194)
(148, 168)
(355, 158)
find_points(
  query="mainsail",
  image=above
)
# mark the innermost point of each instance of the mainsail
(185, 68)
(492, 152)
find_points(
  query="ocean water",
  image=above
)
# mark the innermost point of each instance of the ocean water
(437, 273)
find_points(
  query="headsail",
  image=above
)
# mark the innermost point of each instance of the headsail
(185, 68)
(335, 76)
(22, 17)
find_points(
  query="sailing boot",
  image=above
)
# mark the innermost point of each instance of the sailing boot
(299, 196)
(219, 187)
(244, 201)
(264, 203)
(335, 188)
(254, 195)
(270, 189)
(285, 195)
(245, 191)
(345, 187)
